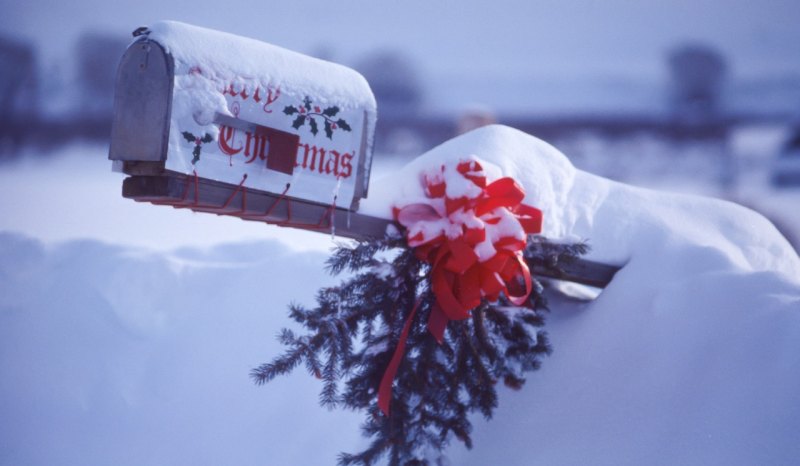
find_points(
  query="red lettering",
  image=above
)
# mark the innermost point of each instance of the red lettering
(327, 162)
(332, 164)
(347, 167)
(271, 98)
(226, 135)
(314, 151)
(258, 146)
(255, 147)
(230, 90)
(321, 160)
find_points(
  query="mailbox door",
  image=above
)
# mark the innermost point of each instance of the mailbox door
(142, 104)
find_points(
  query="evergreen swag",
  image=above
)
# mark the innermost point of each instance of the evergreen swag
(354, 330)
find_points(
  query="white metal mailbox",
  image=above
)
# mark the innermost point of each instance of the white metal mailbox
(237, 111)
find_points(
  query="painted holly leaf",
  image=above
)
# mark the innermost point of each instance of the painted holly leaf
(198, 142)
(196, 153)
(299, 121)
(308, 110)
(343, 124)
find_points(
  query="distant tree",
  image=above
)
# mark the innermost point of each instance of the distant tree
(17, 77)
(18, 91)
(98, 56)
(697, 73)
(394, 81)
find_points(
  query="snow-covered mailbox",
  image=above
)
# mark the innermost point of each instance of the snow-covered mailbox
(221, 123)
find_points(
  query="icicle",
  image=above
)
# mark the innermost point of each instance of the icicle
(333, 209)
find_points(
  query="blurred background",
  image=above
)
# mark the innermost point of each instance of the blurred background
(696, 96)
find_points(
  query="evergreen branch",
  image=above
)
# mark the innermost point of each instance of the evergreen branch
(330, 377)
(352, 331)
(550, 254)
(279, 366)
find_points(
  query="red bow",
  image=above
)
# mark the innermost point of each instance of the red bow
(474, 242)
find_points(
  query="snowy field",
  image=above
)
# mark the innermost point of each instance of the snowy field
(127, 331)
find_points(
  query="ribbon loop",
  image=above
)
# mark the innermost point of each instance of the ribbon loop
(460, 277)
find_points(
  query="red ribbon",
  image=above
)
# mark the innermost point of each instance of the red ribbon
(385, 389)
(459, 279)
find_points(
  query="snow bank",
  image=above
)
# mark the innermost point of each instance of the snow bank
(683, 234)
(112, 355)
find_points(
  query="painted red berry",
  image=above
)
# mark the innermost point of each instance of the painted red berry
(333, 125)
(317, 109)
(197, 141)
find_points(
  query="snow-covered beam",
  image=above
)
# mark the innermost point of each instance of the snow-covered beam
(202, 195)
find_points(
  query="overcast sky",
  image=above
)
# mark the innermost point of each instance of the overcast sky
(512, 55)
(553, 37)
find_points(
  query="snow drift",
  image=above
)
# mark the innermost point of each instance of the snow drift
(110, 355)
(621, 222)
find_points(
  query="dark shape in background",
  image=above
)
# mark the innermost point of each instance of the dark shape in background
(18, 91)
(394, 81)
(98, 55)
(697, 75)
(47, 108)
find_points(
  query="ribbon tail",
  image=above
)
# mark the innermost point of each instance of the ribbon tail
(385, 388)
(437, 322)
(526, 276)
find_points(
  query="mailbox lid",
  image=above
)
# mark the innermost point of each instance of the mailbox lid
(328, 106)
(142, 104)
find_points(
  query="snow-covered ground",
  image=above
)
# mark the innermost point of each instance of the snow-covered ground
(127, 331)
(115, 355)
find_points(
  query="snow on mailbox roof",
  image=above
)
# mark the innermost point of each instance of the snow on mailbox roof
(229, 57)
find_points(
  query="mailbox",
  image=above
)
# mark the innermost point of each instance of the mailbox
(218, 123)
(238, 112)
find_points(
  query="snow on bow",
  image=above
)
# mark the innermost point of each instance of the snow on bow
(473, 234)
